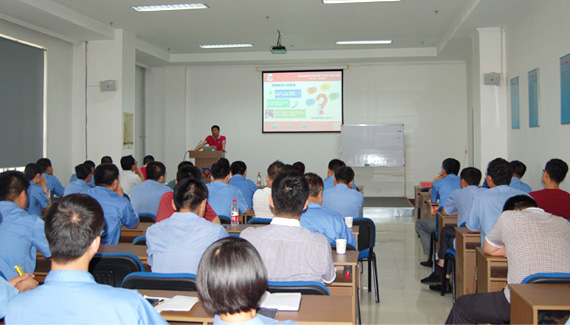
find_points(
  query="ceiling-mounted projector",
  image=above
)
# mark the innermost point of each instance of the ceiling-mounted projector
(278, 49)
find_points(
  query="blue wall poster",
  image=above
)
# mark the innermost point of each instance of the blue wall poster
(533, 98)
(565, 88)
(515, 115)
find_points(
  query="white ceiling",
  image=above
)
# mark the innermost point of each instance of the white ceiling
(420, 29)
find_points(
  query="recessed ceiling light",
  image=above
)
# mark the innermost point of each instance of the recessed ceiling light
(364, 42)
(354, 1)
(224, 46)
(184, 6)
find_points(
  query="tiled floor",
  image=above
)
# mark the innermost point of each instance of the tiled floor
(403, 299)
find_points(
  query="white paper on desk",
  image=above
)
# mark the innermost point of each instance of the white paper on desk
(177, 303)
(284, 301)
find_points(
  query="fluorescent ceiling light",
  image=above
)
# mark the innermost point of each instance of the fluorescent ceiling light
(364, 42)
(185, 6)
(224, 46)
(354, 1)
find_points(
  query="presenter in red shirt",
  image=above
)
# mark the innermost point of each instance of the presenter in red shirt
(217, 140)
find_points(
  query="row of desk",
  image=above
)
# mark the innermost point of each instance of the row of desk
(335, 308)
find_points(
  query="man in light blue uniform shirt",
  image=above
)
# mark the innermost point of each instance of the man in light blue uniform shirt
(459, 203)
(341, 198)
(488, 205)
(21, 234)
(221, 193)
(146, 195)
(52, 182)
(443, 185)
(246, 186)
(37, 191)
(117, 209)
(9, 289)
(91, 182)
(518, 172)
(318, 219)
(329, 180)
(70, 295)
(81, 184)
(176, 244)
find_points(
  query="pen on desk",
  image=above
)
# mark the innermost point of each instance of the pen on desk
(19, 270)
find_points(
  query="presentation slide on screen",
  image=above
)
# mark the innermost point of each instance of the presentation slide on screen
(302, 101)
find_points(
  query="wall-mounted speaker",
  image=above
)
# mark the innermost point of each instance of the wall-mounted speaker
(492, 79)
(108, 85)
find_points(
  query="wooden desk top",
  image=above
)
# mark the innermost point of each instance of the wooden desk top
(314, 309)
(143, 226)
(543, 296)
(490, 258)
(137, 250)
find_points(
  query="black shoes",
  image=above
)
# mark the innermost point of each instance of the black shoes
(435, 277)
(437, 287)
(432, 279)
(428, 263)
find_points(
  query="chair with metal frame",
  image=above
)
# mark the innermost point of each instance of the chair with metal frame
(160, 281)
(304, 287)
(112, 268)
(140, 240)
(147, 217)
(366, 243)
(259, 221)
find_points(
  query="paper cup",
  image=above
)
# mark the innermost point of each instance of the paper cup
(348, 221)
(341, 246)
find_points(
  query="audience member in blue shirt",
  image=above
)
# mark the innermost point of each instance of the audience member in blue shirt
(37, 191)
(231, 281)
(488, 205)
(459, 204)
(21, 234)
(341, 198)
(443, 185)
(318, 219)
(176, 244)
(146, 195)
(9, 289)
(221, 194)
(239, 180)
(91, 182)
(70, 295)
(84, 175)
(117, 209)
(518, 172)
(52, 182)
(329, 180)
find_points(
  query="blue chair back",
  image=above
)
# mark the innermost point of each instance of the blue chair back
(259, 221)
(140, 240)
(547, 278)
(160, 281)
(147, 217)
(304, 287)
(224, 219)
(112, 268)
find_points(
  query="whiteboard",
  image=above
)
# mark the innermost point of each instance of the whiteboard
(367, 145)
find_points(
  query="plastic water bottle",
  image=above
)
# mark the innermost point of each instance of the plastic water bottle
(235, 214)
(259, 179)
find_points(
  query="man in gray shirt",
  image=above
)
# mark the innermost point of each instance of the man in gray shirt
(289, 251)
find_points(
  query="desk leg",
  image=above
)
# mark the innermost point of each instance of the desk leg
(521, 312)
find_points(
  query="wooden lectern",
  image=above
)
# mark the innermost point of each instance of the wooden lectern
(204, 161)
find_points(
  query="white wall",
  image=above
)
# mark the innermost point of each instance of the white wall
(59, 96)
(430, 99)
(538, 40)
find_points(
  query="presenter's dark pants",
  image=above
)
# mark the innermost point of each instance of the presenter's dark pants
(481, 308)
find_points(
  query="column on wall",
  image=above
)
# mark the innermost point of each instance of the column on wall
(489, 101)
(109, 60)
